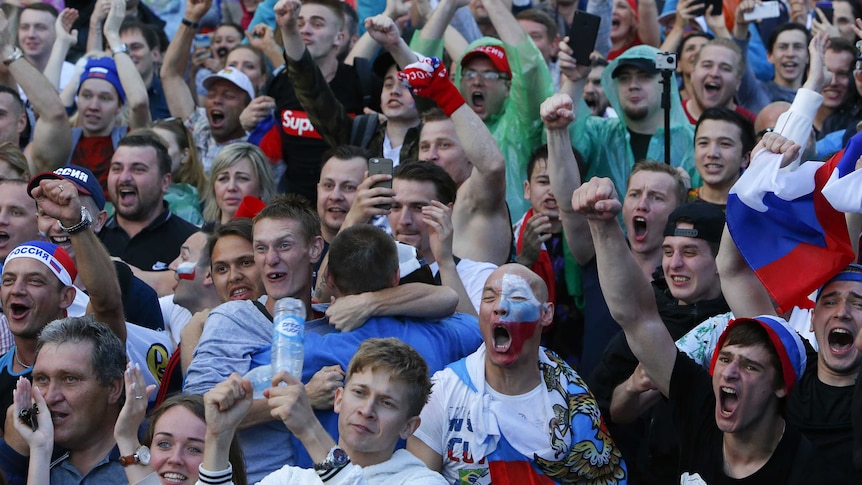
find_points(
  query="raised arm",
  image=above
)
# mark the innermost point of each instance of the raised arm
(289, 403)
(66, 38)
(649, 30)
(40, 441)
(137, 98)
(685, 10)
(627, 291)
(366, 46)
(181, 103)
(54, 143)
(309, 80)
(225, 405)
(95, 41)
(557, 113)
(383, 30)
(59, 199)
(441, 18)
(286, 17)
(438, 217)
(744, 293)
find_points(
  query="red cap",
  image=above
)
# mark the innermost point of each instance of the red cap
(495, 53)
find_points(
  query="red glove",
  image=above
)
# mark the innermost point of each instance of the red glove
(429, 79)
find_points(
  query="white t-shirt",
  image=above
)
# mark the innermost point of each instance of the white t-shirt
(473, 276)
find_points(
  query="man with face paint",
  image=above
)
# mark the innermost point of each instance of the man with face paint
(490, 413)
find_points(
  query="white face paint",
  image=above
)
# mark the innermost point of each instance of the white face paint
(519, 301)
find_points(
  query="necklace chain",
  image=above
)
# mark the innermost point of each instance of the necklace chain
(18, 359)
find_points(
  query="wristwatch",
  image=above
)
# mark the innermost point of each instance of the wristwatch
(335, 460)
(16, 54)
(141, 456)
(122, 48)
(86, 221)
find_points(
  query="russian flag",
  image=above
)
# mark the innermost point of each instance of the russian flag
(789, 225)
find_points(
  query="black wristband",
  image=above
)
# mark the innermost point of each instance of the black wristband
(191, 24)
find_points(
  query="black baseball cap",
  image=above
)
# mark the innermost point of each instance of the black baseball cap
(645, 65)
(707, 221)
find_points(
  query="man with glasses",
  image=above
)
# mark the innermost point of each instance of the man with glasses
(504, 81)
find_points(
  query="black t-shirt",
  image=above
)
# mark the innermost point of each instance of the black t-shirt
(823, 414)
(154, 247)
(857, 425)
(301, 146)
(701, 442)
(640, 144)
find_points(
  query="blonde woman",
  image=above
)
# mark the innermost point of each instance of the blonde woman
(238, 170)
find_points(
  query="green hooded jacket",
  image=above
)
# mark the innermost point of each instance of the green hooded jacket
(605, 142)
(518, 128)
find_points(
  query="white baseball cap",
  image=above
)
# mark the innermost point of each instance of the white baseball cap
(235, 76)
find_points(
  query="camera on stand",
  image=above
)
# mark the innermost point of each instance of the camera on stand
(665, 61)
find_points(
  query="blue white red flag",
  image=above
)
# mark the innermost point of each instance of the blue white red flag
(789, 225)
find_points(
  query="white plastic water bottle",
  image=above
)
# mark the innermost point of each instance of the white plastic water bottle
(287, 335)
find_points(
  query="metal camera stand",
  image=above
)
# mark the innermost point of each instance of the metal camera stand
(666, 63)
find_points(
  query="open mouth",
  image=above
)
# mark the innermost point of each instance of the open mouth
(477, 100)
(640, 227)
(18, 310)
(127, 195)
(222, 52)
(216, 117)
(728, 400)
(241, 293)
(502, 339)
(4, 238)
(840, 340)
(712, 88)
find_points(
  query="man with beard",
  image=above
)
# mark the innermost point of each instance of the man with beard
(611, 146)
(142, 232)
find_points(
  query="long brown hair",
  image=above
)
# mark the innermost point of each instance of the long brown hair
(191, 172)
(195, 404)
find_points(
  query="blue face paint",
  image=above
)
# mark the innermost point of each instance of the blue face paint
(518, 300)
(521, 312)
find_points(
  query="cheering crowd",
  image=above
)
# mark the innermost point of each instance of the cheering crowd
(548, 241)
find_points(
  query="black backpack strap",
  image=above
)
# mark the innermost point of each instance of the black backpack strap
(365, 75)
(363, 128)
(262, 309)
